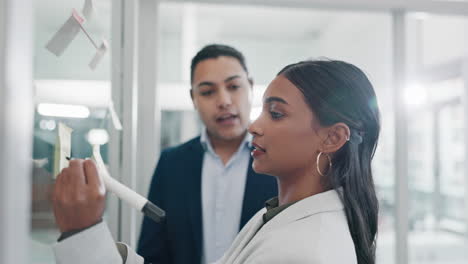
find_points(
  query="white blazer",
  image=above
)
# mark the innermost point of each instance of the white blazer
(313, 230)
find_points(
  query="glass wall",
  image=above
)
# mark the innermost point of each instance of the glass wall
(270, 38)
(438, 222)
(69, 91)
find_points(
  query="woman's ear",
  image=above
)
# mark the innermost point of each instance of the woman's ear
(337, 135)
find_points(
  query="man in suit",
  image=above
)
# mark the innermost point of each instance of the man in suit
(207, 186)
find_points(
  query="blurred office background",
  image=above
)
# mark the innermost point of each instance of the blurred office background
(414, 52)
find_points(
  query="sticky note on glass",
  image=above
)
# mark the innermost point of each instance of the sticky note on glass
(115, 117)
(62, 148)
(66, 34)
(100, 52)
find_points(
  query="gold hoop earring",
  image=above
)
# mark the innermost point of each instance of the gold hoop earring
(318, 161)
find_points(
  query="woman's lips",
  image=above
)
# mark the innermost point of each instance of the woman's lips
(257, 151)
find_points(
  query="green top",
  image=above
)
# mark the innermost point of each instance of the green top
(273, 209)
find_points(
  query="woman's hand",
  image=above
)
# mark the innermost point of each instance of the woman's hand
(79, 196)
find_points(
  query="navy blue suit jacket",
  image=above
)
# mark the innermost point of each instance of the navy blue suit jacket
(176, 188)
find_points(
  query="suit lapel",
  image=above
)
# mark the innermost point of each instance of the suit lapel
(194, 168)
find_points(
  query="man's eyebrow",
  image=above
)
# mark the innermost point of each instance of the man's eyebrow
(232, 78)
(274, 99)
(206, 84)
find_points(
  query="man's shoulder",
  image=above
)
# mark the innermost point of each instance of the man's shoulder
(189, 147)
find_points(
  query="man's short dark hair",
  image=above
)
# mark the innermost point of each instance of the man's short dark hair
(214, 51)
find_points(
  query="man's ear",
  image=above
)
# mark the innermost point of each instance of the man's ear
(251, 82)
(193, 99)
(337, 136)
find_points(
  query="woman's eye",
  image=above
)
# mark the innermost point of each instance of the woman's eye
(275, 115)
(234, 87)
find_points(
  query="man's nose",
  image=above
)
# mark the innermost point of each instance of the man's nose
(224, 98)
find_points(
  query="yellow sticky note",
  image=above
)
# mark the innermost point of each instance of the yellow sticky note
(62, 148)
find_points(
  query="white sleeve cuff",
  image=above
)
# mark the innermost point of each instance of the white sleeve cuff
(91, 246)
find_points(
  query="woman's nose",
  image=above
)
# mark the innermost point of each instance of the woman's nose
(254, 128)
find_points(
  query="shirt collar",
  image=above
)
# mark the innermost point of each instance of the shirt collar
(318, 203)
(206, 144)
(273, 209)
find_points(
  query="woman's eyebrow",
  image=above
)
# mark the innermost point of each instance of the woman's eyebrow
(274, 99)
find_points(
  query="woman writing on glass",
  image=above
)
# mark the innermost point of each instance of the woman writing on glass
(317, 135)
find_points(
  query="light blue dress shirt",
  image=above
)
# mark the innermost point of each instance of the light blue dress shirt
(223, 189)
